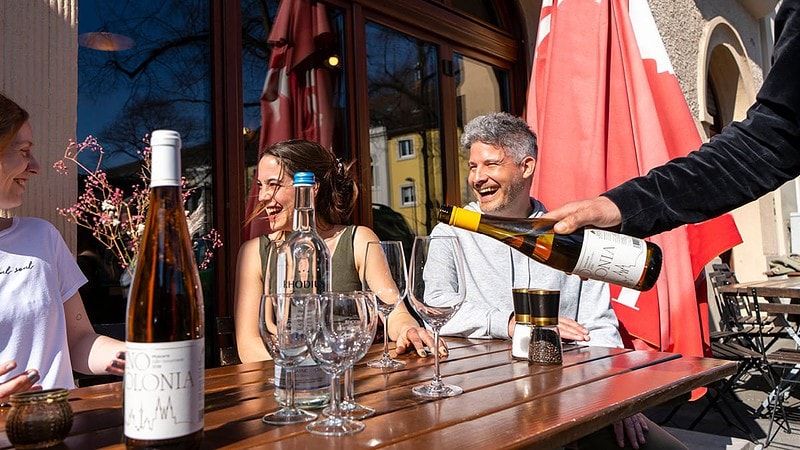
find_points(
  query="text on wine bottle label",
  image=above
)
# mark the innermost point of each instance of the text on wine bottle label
(613, 257)
(163, 389)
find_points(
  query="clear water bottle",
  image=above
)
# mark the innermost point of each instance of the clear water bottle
(304, 267)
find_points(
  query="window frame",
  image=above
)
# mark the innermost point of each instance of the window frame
(413, 189)
(410, 151)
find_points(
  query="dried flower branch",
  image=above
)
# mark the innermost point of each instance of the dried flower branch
(115, 219)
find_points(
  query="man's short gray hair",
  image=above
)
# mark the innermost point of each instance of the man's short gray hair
(502, 130)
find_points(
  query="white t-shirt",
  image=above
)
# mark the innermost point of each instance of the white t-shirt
(38, 274)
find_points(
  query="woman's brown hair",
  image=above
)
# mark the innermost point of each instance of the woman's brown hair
(12, 117)
(337, 189)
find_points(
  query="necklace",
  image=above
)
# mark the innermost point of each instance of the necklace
(278, 238)
(335, 235)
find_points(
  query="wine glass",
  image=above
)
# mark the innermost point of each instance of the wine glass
(335, 338)
(385, 275)
(437, 289)
(348, 407)
(282, 327)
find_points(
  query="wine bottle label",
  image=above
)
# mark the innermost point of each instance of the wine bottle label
(307, 376)
(611, 257)
(163, 397)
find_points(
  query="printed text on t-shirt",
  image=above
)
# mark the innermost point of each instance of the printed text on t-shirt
(10, 270)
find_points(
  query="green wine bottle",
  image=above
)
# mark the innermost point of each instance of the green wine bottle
(589, 252)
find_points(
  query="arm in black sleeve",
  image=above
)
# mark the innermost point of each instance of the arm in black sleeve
(747, 160)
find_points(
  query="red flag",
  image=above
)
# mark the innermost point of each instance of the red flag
(296, 101)
(607, 107)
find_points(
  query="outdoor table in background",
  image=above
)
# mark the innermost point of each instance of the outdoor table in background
(506, 403)
(770, 289)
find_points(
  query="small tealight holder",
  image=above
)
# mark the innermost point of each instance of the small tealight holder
(545, 345)
(38, 419)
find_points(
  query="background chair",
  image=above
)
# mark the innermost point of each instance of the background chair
(783, 364)
(734, 341)
(228, 354)
(737, 321)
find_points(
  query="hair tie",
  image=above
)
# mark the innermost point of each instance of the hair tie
(340, 167)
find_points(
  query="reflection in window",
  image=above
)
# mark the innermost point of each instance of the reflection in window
(402, 82)
(408, 195)
(258, 17)
(405, 149)
(480, 89)
(162, 80)
(151, 71)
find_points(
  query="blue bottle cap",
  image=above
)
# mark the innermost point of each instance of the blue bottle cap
(304, 178)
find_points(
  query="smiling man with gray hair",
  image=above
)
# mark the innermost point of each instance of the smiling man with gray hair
(502, 157)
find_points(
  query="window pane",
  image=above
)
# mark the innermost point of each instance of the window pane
(403, 88)
(257, 19)
(143, 65)
(480, 89)
(407, 195)
(256, 52)
(405, 149)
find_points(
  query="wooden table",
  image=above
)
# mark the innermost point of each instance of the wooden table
(506, 403)
(770, 289)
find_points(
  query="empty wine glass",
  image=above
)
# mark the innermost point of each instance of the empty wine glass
(282, 328)
(385, 275)
(436, 289)
(349, 407)
(335, 340)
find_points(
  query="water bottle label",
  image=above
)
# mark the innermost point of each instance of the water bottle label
(308, 376)
(163, 396)
(281, 274)
(611, 257)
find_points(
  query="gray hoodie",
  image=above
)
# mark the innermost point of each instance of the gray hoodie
(493, 269)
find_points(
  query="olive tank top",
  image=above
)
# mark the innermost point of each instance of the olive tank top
(344, 275)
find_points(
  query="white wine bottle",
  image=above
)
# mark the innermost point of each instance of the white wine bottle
(591, 253)
(303, 267)
(163, 383)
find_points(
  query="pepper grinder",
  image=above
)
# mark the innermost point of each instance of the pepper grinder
(522, 324)
(545, 344)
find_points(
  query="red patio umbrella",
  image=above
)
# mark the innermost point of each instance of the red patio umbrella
(296, 101)
(607, 107)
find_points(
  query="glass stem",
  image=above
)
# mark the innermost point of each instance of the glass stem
(348, 385)
(334, 405)
(290, 388)
(437, 379)
(385, 338)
